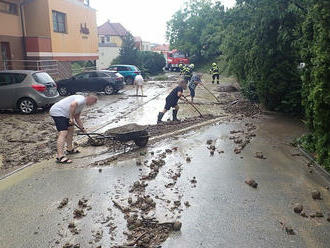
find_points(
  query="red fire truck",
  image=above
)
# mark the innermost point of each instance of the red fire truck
(174, 58)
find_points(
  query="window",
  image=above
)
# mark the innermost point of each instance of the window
(9, 8)
(86, 2)
(9, 78)
(102, 39)
(82, 76)
(42, 78)
(92, 75)
(108, 38)
(102, 75)
(59, 22)
(123, 68)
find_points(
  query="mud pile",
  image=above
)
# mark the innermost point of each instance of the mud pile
(25, 139)
(243, 107)
(170, 126)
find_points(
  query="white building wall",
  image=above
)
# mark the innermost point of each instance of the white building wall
(106, 56)
(146, 46)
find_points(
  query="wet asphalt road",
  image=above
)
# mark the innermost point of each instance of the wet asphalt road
(224, 211)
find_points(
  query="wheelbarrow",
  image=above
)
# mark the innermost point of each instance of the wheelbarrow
(120, 136)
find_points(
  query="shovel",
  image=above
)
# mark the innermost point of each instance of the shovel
(93, 141)
(193, 106)
(210, 92)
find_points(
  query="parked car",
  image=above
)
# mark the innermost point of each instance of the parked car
(109, 82)
(129, 72)
(26, 90)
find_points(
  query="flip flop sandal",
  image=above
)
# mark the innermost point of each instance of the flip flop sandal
(63, 160)
(73, 151)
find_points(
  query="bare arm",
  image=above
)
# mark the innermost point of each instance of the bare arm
(79, 122)
(180, 94)
(73, 108)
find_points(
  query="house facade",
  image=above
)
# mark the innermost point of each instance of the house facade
(111, 34)
(110, 38)
(47, 30)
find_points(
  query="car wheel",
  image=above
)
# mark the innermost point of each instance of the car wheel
(108, 90)
(63, 91)
(27, 106)
(129, 80)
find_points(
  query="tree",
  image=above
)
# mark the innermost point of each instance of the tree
(195, 30)
(128, 52)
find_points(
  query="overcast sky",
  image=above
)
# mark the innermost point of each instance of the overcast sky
(144, 18)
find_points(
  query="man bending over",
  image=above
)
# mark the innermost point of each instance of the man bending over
(65, 114)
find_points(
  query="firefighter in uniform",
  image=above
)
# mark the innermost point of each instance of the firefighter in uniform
(181, 68)
(215, 73)
(188, 72)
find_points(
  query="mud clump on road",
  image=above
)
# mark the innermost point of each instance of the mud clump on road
(68, 245)
(78, 213)
(63, 203)
(73, 228)
(251, 183)
(316, 195)
(148, 232)
(298, 208)
(260, 155)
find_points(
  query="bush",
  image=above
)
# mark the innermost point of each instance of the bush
(152, 62)
(316, 90)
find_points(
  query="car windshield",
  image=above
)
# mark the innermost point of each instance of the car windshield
(42, 78)
(178, 55)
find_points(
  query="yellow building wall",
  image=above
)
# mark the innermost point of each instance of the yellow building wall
(10, 25)
(73, 41)
(37, 25)
(117, 40)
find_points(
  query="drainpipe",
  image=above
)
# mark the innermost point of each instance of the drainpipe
(23, 27)
(21, 10)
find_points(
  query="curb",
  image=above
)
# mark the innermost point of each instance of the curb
(317, 166)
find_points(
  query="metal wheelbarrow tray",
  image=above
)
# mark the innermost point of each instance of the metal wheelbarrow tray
(124, 134)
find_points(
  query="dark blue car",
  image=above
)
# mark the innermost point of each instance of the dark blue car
(105, 81)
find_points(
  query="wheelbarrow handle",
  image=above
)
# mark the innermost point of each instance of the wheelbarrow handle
(90, 134)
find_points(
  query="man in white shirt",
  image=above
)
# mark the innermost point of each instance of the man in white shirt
(138, 81)
(65, 114)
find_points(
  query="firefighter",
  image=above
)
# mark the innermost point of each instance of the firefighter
(188, 72)
(215, 73)
(181, 68)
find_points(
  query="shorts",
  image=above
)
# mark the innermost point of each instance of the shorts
(139, 82)
(192, 92)
(170, 104)
(62, 123)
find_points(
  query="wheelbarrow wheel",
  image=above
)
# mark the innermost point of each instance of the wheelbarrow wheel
(141, 142)
(96, 142)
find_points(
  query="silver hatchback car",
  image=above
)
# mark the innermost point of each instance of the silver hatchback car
(26, 90)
